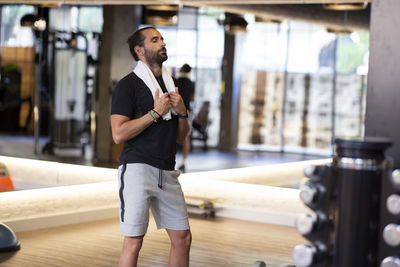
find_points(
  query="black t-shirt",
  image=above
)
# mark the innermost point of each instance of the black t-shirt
(186, 90)
(156, 145)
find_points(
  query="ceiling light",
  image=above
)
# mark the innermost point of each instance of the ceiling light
(338, 31)
(267, 20)
(50, 5)
(40, 24)
(346, 6)
(163, 7)
(161, 20)
(161, 15)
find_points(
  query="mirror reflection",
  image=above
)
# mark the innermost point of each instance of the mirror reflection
(266, 91)
(271, 87)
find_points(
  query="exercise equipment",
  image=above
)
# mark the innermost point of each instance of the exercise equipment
(356, 208)
(8, 239)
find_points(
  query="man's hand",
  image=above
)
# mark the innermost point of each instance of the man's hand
(161, 104)
(176, 101)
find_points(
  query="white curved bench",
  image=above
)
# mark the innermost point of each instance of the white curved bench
(84, 193)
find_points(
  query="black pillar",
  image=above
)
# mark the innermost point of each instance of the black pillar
(383, 90)
(230, 98)
(115, 62)
(226, 94)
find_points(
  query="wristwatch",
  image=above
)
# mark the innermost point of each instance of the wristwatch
(183, 116)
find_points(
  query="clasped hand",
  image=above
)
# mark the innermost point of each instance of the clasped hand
(167, 100)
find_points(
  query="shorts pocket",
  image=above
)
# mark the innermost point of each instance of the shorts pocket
(174, 174)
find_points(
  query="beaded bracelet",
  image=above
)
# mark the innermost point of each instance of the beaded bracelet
(153, 116)
(156, 114)
(159, 115)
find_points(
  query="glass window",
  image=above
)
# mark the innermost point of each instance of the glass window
(353, 53)
(72, 18)
(170, 39)
(181, 45)
(63, 18)
(260, 116)
(316, 130)
(261, 101)
(12, 33)
(305, 45)
(316, 85)
(90, 19)
(209, 58)
(265, 46)
(211, 40)
(309, 89)
(350, 97)
(198, 40)
(350, 90)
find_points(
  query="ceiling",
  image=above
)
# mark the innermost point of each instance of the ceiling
(310, 11)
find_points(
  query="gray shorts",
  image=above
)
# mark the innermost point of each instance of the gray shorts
(139, 191)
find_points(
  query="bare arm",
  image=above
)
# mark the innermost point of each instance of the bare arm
(183, 130)
(123, 128)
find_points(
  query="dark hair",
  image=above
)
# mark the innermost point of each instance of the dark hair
(137, 38)
(185, 68)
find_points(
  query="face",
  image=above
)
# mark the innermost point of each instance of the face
(154, 47)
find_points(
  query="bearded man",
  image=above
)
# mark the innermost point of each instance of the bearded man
(149, 116)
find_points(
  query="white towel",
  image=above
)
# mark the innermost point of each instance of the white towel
(147, 76)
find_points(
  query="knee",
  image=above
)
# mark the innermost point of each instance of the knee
(184, 240)
(132, 245)
(188, 239)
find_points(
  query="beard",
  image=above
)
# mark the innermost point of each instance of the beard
(156, 57)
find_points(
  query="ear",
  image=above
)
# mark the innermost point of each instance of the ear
(139, 50)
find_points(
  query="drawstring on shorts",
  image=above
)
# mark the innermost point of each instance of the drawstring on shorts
(160, 178)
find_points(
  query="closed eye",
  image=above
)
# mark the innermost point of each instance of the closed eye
(155, 39)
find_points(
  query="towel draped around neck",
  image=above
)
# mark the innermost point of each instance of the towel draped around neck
(147, 76)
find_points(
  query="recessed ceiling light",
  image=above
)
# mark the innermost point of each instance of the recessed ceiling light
(346, 6)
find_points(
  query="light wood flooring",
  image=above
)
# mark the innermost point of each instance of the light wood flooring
(216, 242)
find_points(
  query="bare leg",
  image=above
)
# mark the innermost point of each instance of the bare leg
(185, 152)
(180, 247)
(130, 251)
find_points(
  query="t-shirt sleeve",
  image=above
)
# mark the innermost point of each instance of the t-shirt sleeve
(123, 100)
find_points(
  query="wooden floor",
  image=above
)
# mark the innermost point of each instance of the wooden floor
(216, 242)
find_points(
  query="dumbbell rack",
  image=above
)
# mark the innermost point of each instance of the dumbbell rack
(356, 209)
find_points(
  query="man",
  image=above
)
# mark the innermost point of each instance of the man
(186, 89)
(149, 116)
